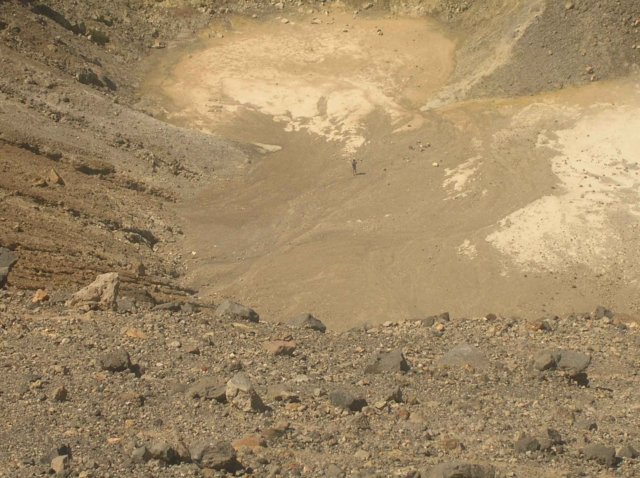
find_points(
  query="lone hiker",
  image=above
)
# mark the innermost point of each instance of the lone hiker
(354, 166)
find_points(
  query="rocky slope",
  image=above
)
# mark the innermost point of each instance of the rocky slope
(186, 390)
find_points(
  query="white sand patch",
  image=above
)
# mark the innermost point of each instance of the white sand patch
(458, 177)
(598, 167)
(468, 249)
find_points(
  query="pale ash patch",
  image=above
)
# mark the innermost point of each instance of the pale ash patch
(457, 178)
(599, 177)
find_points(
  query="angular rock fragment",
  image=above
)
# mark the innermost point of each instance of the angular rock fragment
(241, 394)
(383, 362)
(526, 444)
(602, 454)
(233, 311)
(164, 452)
(347, 400)
(115, 361)
(308, 321)
(101, 293)
(627, 451)
(569, 361)
(215, 456)
(60, 465)
(208, 388)
(7, 259)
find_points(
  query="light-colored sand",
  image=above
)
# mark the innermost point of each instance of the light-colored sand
(597, 164)
(323, 78)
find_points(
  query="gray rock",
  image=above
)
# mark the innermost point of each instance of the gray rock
(163, 451)
(140, 455)
(394, 395)
(526, 444)
(347, 400)
(602, 454)
(233, 311)
(573, 362)
(89, 77)
(7, 259)
(570, 361)
(460, 470)
(115, 361)
(601, 312)
(546, 360)
(384, 362)
(465, 355)
(216, 456)
(208, 388)
(308, 321)
(241, 394)
(627, 451)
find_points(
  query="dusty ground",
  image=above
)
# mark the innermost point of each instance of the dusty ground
(201, 150)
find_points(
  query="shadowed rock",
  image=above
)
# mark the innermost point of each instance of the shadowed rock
(308, 321)
(392, 361)
(233, 311)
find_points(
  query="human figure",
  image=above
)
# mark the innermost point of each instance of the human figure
(354, 166)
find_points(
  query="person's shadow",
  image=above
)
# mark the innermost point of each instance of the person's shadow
(360, 174)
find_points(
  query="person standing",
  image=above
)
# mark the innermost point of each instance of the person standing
(354, 166)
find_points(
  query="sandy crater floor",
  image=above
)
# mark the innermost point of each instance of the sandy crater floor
(522, 205)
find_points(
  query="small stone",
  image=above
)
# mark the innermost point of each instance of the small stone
(7, 260)
(282, 393)
(280, 347)
(602, 454)
(347, 400)
(40, 296)
(54, 178)
(208, 388)
(115, 361)
(162, 451)
(140, 455)
(573, 362)
(545, 360)
(60, 394)
(601, 312)
(233, 311)
(465, 355)
(60, 464)
(241, 394)
(215, 456)
(394, 395)
(627, 451)
(383, 362)
(526, 444)
(308, 321)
